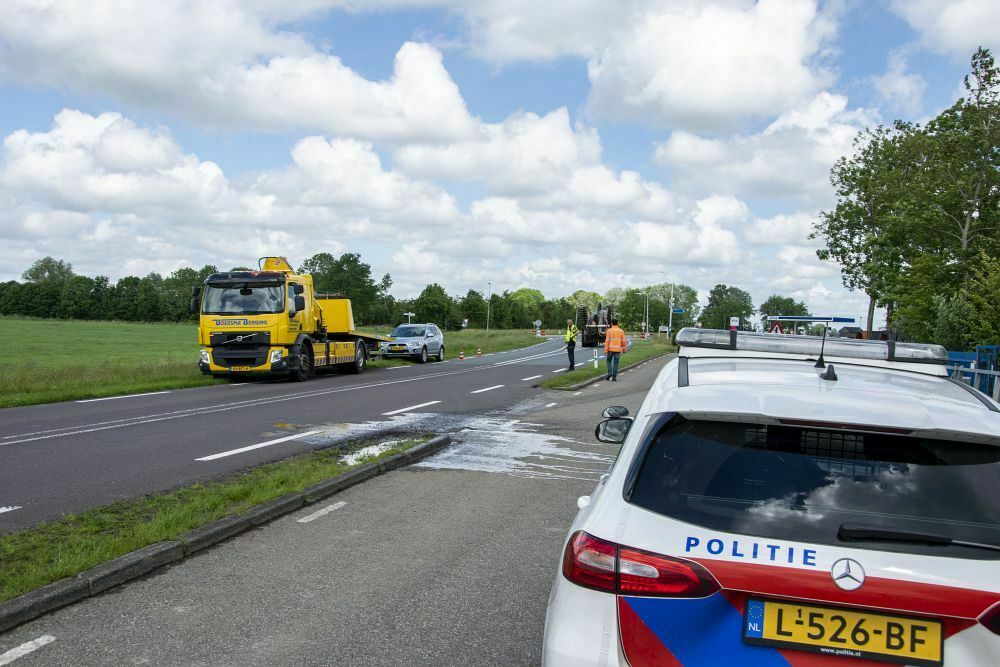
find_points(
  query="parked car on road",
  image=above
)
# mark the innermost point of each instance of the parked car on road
(416, 341)
(777, 503)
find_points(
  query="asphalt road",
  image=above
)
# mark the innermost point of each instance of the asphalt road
(66, 457)
(449, 561)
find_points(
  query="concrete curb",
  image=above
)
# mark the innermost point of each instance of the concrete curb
(600, 378)
(141, 562)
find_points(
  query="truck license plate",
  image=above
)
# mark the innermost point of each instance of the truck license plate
(840, 632)
(241, 368)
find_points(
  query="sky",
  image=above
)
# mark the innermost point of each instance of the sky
(479, 145)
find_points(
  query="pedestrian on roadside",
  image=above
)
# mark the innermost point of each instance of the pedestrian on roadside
(571, 332)
(614, 345)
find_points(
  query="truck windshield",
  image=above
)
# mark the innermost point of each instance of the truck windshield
(243, 299)
(805, 484)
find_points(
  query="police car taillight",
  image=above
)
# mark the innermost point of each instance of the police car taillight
(605, 566)
(991, 619)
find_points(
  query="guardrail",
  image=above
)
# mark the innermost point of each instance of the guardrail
(980, 379)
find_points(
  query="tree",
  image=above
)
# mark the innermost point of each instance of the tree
(47, 269)
(530, 301)
(951, 321)
(349, 276)
(724, 302)
(585, 298)
(859, 231)
(433, 305)
(473, 308)
(76, 301)
(10, 298)
(782, 305)
(981, 292)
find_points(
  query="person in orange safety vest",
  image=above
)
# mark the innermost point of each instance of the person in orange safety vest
(614, 345)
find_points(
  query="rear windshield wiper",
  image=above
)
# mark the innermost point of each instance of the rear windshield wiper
(859, 533)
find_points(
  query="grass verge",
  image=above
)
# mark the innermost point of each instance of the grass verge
(51, 551)
(639, 351)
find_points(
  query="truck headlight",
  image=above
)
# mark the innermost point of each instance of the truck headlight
(275, 356)
(206, 358)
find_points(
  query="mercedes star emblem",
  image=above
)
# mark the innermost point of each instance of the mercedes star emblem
(848, 574)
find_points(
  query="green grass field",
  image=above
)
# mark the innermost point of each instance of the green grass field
(639, 351)
(63, 360)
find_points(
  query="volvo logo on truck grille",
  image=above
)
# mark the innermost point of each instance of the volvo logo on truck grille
(848, 574)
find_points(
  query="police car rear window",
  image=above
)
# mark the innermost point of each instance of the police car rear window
(805, 484)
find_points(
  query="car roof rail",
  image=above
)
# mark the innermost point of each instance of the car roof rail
(751, 341)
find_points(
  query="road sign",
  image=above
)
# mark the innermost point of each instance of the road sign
(678, 310)
(777, 328)
(734, 323)
(408, 316)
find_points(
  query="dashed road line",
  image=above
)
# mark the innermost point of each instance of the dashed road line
(577, 393)
(533, 377)
(560, 370)
(24, 649)
(479, 391)
(412, 407)
(9, 508)
(231, 452)
(551, 405)
(114, 398)
(323, 512)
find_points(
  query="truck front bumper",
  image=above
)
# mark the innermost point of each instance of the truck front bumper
(285, 365)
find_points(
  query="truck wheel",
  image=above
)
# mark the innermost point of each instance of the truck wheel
(441, 353)
(423, 356)
(306, 367)
(360, 357)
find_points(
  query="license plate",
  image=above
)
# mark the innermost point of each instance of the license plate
(852, 634)
(241, 368)
(397, 348)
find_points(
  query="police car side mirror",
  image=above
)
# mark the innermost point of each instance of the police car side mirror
(613, 430)
(615, 411)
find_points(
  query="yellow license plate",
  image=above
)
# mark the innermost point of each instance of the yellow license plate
(841, 632)
(241, 368)
(397, 348)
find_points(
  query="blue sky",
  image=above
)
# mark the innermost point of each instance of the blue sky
(628, 143)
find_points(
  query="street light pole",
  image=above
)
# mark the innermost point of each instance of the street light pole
(645, 317)
(489, 293)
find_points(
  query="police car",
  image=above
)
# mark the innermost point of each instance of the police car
(788, 500)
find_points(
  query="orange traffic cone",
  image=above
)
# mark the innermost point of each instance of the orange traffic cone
(479, 352)
(461, 356)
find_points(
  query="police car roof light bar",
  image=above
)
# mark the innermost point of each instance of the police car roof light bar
(813, 346)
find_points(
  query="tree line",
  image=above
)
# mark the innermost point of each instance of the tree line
(50, 288)
(916, 224)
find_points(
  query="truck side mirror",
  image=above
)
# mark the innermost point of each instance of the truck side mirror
(300, 302)
(299, 289)
(195, 291)
(194, 305)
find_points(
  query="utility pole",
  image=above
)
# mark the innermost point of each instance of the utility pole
(670, 321)
(489, 292)
(645, 316)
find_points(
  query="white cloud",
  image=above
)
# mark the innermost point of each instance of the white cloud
(782, 229)
(790, 158)
(220, 63)
(524, 153)
(955, 27)
(899, 89)
(710, 66)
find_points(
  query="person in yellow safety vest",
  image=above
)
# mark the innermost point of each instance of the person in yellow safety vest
(571, 332)
(614, 345)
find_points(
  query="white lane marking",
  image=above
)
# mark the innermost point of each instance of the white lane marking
(412, 407)
(479, 391)
(577, 393)
(551, 405)
(115, 398)
(323, 512)
(24, 649)
(237, 384)
(236, 405)
(9, 508)
(395, 368)
(561, 370)
(231, 452)
(530, 378)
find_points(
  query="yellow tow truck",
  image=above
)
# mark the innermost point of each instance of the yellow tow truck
(272, 322)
